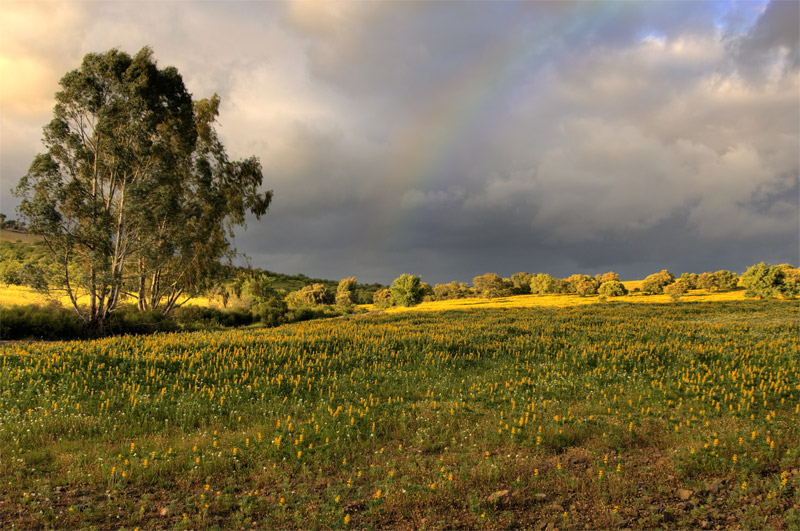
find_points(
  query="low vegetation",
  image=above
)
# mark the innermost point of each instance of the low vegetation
(615, 415)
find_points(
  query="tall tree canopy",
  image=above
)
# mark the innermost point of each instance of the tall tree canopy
(135, 194)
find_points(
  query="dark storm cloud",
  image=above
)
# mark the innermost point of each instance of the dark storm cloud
(451, 139)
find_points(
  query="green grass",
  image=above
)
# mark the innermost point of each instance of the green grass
(591, 415)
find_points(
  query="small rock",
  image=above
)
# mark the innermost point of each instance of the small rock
(557, 507)
(712, 487)
(497, 496)
(684, 494)
(540, 496)
(163, 511)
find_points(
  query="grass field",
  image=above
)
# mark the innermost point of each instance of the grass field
(12, 295)
(14, 236)
(611, 415)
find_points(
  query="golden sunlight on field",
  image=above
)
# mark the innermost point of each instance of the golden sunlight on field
(562, 300)
(12, 295)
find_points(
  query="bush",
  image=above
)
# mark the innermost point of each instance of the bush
(128, 319)
(521, 282)
(491, 285)
(270, 312)
(726, 281)
(382, 298)
(40, 322)
(345, 293)
(612, 288)
(313, 295)
(197, 317)
(690, 279)
(720, 281)
(580, 285)
(764, 281)
(654, 284)
(676, 290)
(606, 277)
(452, 290)
(407, 290)
(543, 284)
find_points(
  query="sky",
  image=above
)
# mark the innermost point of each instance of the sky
(450, 139)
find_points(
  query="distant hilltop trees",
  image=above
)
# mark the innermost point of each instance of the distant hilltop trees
(760, 281)
(12, 224)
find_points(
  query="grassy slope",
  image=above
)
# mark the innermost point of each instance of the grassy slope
(14, 236)
(602, 416)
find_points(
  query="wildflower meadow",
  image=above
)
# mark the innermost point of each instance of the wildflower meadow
(609, 415)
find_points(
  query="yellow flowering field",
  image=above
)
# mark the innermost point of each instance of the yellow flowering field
(561, 300)
(13, 295)
(612, 415)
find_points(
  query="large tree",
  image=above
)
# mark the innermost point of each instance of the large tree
(135, 194)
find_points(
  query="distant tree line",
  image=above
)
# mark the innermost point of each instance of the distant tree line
(759, 281)
(12, 224)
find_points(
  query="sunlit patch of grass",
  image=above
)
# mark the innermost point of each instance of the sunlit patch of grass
(13, 295)
(561, 301)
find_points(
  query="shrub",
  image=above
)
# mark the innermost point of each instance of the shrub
(491, 285)
(407, 290)
(345, 293)
(452, 290)
(382, 298)
(676, 290)
(612, 288)
(654, 284)
(543, 284)
(128, 319)
(586, 287)
(270, 312)
(726, 281)
(579, 285)
(49, 322)
(764, 281)
(521, 282)
(690, 279)
(606, 277)
(313, 295)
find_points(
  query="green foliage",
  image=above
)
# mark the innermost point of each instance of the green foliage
(135, 191)
(720, 281)
(382, 298)
(451, 291)
(586, 287)
(791, 280)
(654, 284)
(580, 285)
(27, 265)
(314, 295)
(39, 322)
(690, 279)
(345, 293)
(726, 281)
(491, 285)
(607, 277)
(612, 288)
(521, 282)
(543, 284)
(676, 290)
(407, 290)
(270, 312)
(764, 281)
